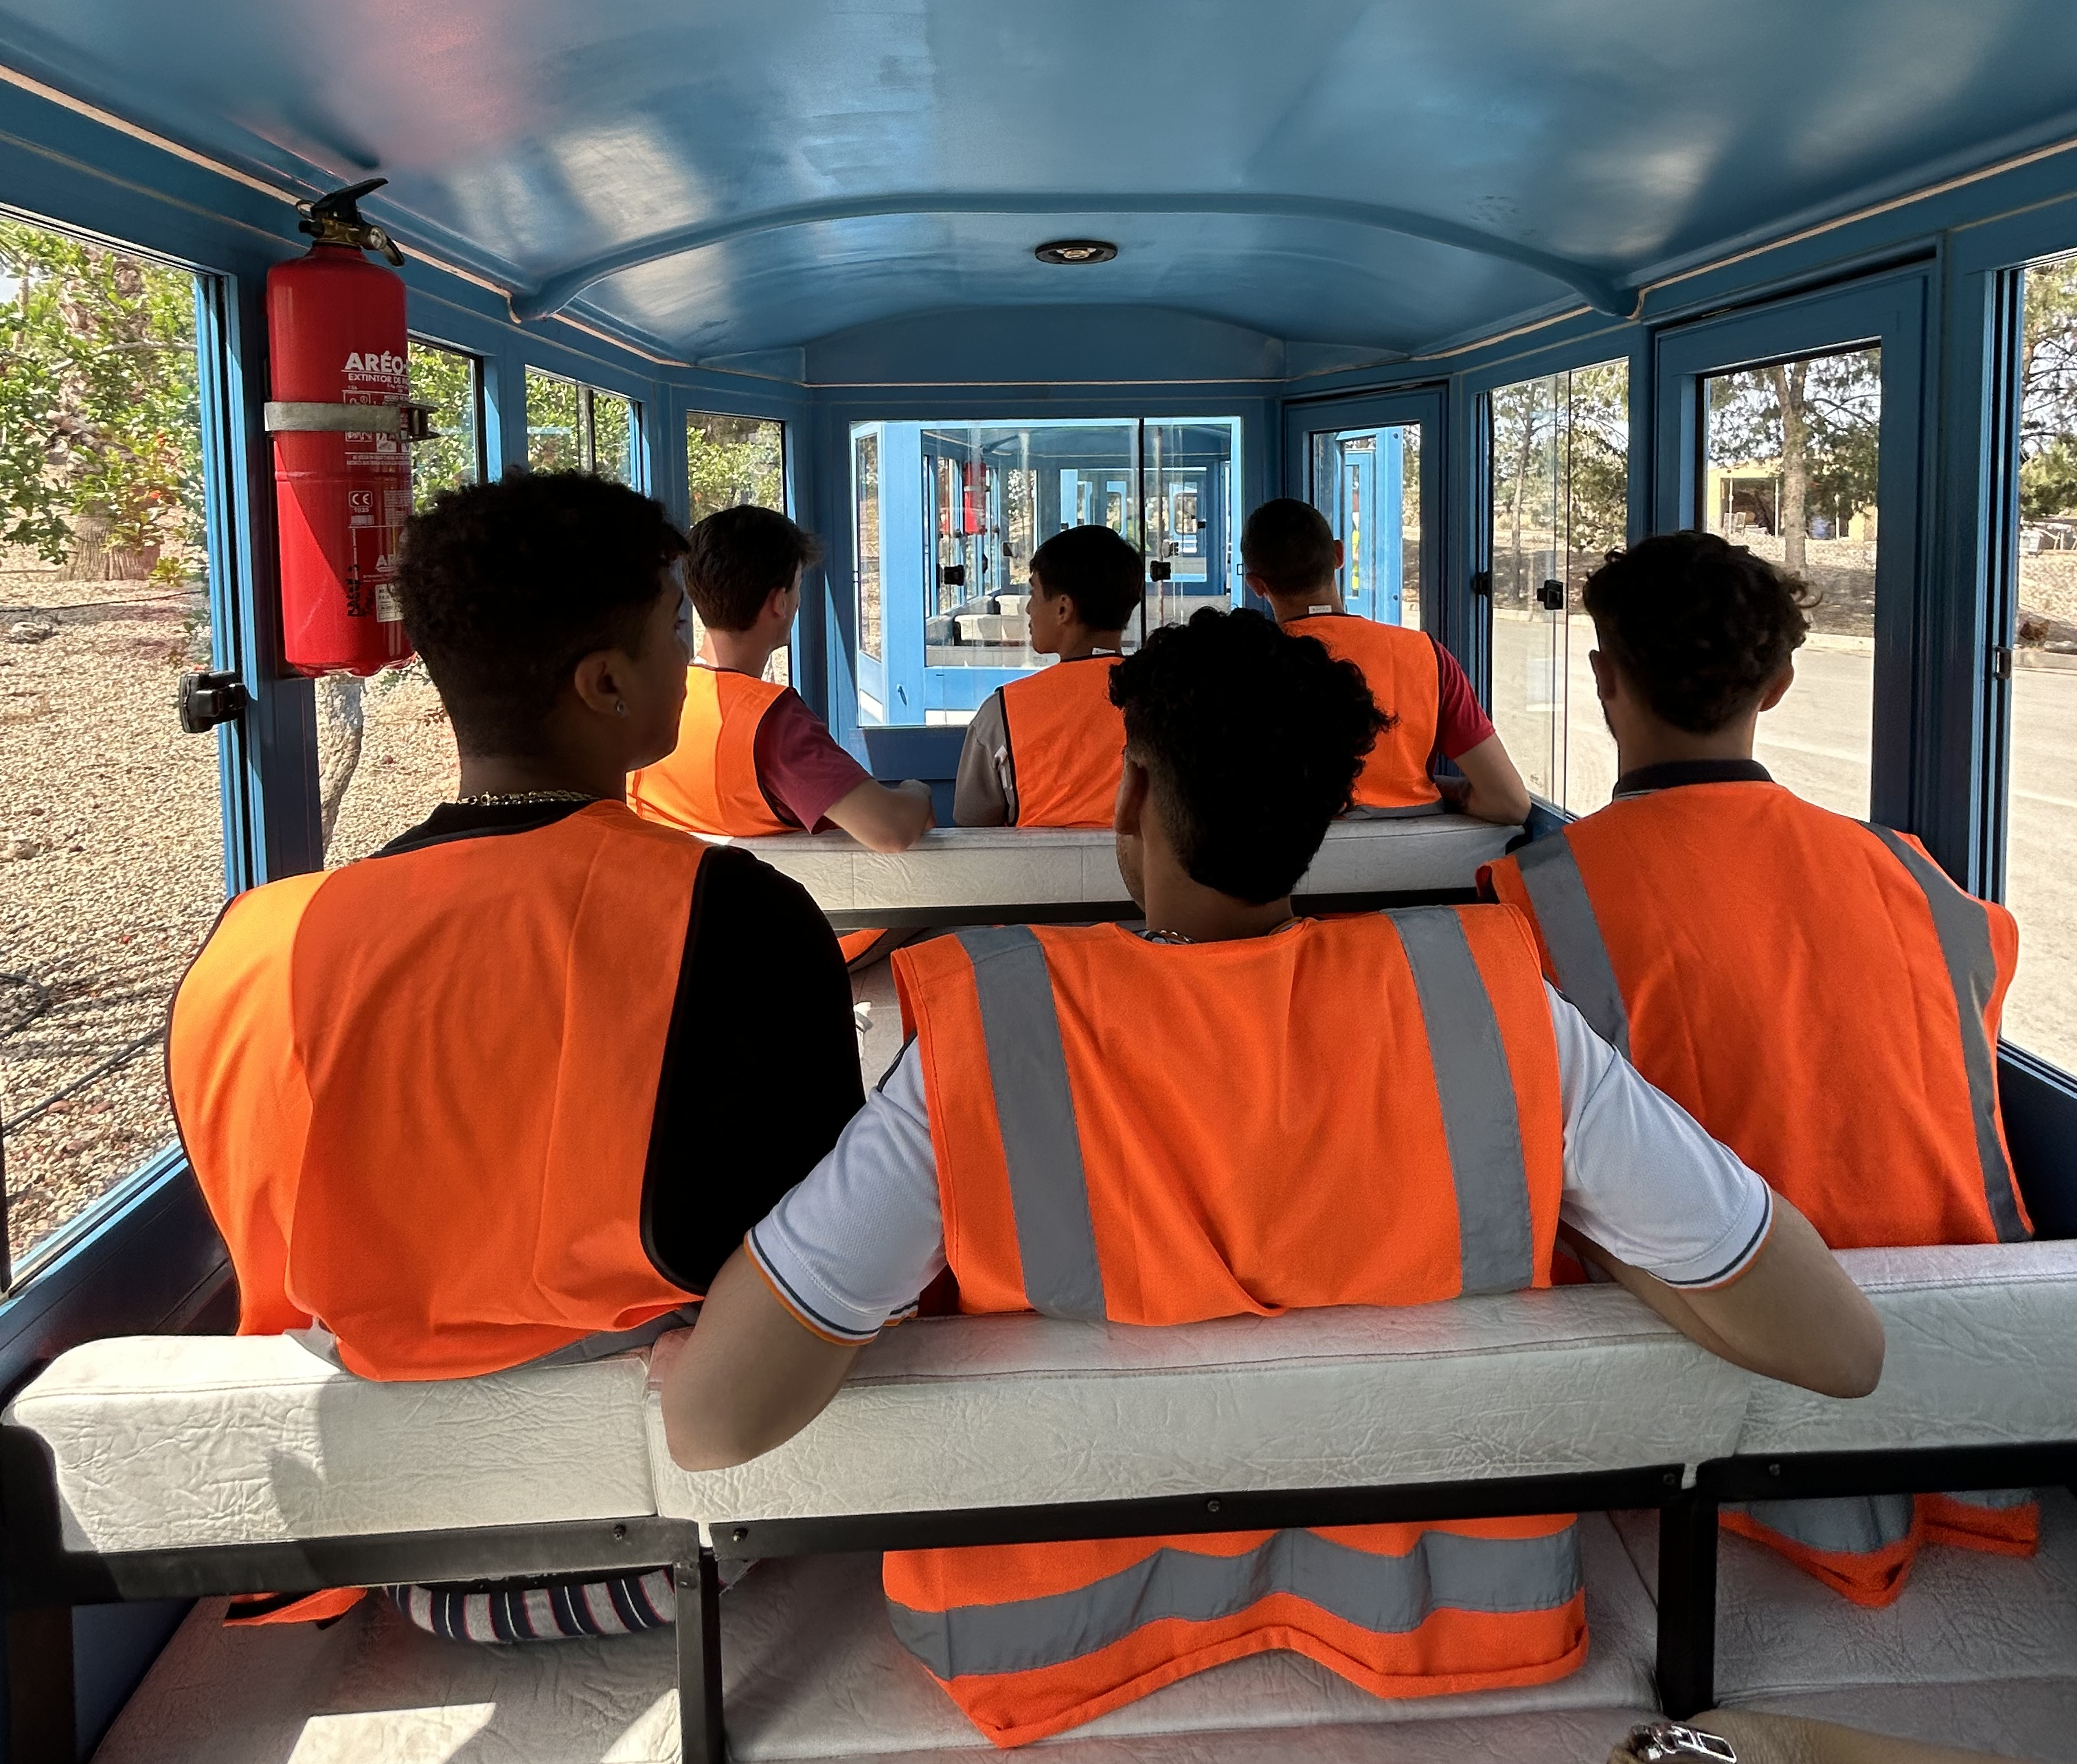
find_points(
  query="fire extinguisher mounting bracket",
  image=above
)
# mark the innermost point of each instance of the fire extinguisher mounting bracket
(207, 700)
(413, 422)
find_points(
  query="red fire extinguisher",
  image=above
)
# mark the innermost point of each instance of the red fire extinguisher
(342, 422)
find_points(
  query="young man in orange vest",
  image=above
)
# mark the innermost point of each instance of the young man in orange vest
(1044, 751)
(1424, 1077)
(1293, 560)
(752, 758)
(1708, 920)
(514, 1086)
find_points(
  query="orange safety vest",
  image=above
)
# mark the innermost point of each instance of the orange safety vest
(416, 1092)
(1067, 743)
(708, 783)
(1352, 1111)
(1401, 669)
(1731, 937)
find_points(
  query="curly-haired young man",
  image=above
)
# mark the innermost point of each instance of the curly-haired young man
(1239, 1110)
(1811, 989)
(518, 1084)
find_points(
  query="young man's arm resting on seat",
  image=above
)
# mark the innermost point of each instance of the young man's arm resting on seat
(1493, 790)
(884, 817)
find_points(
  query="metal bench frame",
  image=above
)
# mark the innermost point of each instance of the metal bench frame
(44, 1581)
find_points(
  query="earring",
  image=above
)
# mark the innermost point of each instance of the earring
(620, 707)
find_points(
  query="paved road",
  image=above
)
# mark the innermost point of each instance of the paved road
(1816, 743)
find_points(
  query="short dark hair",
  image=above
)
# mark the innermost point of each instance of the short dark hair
(738, 557)
(1289, 545)
(507, 586)
(1698, 625)
(1253, 738)
(1103, 575)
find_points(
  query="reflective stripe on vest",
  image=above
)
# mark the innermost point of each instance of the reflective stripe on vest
(417, 1092)
(1965, 939)
(708, 783)
(1404, 673)
(1067, 743)
(1056, 1241)
(1383, 1594)
(1565, 916)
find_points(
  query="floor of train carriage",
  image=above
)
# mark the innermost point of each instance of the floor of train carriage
(1981, 1651)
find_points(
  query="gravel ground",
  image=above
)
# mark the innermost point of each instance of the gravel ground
(407, 763)
(111, 872)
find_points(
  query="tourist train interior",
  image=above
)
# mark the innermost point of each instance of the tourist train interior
(1497, 288)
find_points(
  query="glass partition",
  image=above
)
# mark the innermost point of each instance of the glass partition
(111, 836)
(1789, 470)
(955, 511)
(1559, 451)
(1367, 481)
(2041, 803)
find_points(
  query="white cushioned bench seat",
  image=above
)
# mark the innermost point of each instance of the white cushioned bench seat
(180, 1441)
(953, 1413)
(1980, 1353)
(953, 868)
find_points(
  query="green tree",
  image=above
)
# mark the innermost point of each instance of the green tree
(734, 460)
(2048, 392)
(100, 417)
(446, 381)
(1818, 421)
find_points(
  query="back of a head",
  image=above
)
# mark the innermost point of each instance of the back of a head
(1698, 627)
(740, 556)
(1253, 740)
(1102, 574)
(1289, 544)
(506, 586)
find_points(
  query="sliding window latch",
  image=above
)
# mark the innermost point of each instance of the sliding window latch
(207, 700)
(1550, 597)
(2002, 661)
(1482, 584)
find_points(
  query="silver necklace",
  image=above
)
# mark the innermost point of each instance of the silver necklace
(520, 799)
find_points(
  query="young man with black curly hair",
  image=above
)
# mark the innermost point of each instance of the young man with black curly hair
(517, 1084)
(1043, 751)
(1813, 989)
(1239, 1110)
(1294, 561)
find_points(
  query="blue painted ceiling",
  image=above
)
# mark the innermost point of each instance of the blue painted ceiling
(717, 177)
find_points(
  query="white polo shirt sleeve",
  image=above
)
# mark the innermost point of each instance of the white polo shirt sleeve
(850, 1248)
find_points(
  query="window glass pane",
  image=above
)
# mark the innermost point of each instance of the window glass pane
(1789, 471)
(612, 436)
(451, 384)
(731, 461)
(555, 424)
(1560, 502)
(111, 851)
(2040, 826)
(865, 538)
(1188, 519)
(1367, 481)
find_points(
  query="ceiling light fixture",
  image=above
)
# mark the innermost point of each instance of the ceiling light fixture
(1077, 251)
